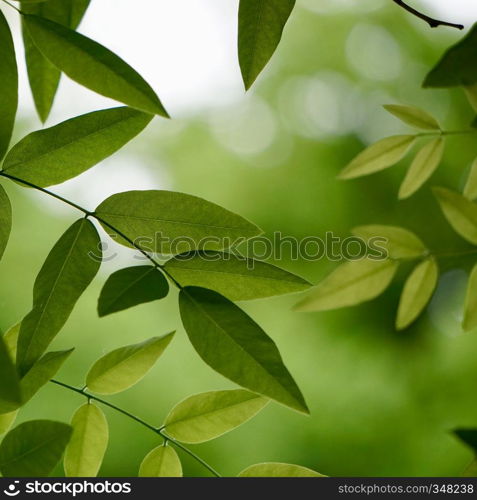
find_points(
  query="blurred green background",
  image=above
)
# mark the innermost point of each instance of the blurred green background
(382, 402)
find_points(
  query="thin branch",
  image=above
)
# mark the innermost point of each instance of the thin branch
(432, 22)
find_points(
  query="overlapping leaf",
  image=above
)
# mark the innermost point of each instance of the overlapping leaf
(276, 469)
(470, 189)
(470, 307)
(5, 220)
(161, 462)
(10, 393)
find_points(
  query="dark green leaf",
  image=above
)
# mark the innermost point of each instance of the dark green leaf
(276, 469)
(261, 24)
(68, 270)
(5, 220)
(172, 223)
(161, 462)
(470, 307)
(92, 65)
(235, 277)
(468, 436)
(10, 394)
(470, 190)
(131, 286)
(59, 153)
(33, 448)
(234, 345)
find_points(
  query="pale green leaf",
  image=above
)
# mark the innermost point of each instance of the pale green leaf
(276, 469)
(92, 65)
(124, 367)
(260, 28)
(413, 116)
(235, 277)
(5, 220)
(11, 338)
(350, 284)
(33, 448)
(470, 307)
(417, 292)
(423, 166)
(54, 155)
(379, 156)
(171, 223)
(161, 462)
(131, 286)
(231, 343)
(460, 212)
(205, 416)
(470, 190)
(68, 270)
(10, 394)
(398, 242)
(85, 451)
(6, 421)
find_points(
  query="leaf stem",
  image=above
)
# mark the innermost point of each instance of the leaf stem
(433, 23)
(156, 430)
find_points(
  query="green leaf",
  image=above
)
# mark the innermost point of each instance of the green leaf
(10, 394)
(6, 421)
(470, 190)
(276, 469)
(460, 212)
(171, 223)
(470, 307)
(413, 116)
(234, 345)
(9, 93)
(350, 284)
(33, 448)
(235, 277)
(457, 66)
(42, 372)
(468, 436)
(205, 416)
(5, 220)
(379, 156)
(43, 76)
(59, 153)
(11, 338)
(131, 286)
(68, 270)
(471, 470)
(398, 242)
(85, 451)
(417, 292)
(424, 165)
(161, 462)
(92, 65)
(261, 24)
(124, 367)
(471, 93)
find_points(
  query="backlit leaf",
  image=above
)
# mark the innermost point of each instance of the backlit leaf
(276, 469)
(417, 292)
(470, 307)
(33, 448)
(261, 24)
(5, 220)
(124, 367)
(10, 394)
(131, 286)
(68, 270)
(11, 338)
(413, 116)
(85, 451)
(59, 153)
(172, 223)
(6, 421)
(92, 65)
(235, 277)
(471, 93)
(161, 462)
(350, 284)
(231, 343)
(205, 416)
(470, 190)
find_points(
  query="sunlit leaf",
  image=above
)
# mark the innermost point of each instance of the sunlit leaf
(11, 338)
(350, 284)
(235, 277)
(92, 65)
(205, 416)
(470, 307)
(417, 292)
(172, 223)
(10, 394)
(276, 469)
(85, 451)
(261, 24)
(5, 220)
(68, 270)
(9, 93)
(124, 367)
(460, 212)
(59, 153)
(6, 421)
(33, 448)
(423, 166)
(161, 462)
(471, 93)
(383, 154)
(231, 343)
(131, 286)
(413, 116)
(470, 190)
(398, 242)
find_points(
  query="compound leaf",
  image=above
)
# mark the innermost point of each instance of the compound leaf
(276, 469)
(162, 461)
(413, 116)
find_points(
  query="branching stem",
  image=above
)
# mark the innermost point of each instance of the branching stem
(432, 22)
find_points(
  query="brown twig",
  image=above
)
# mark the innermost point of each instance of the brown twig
(433, 23)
